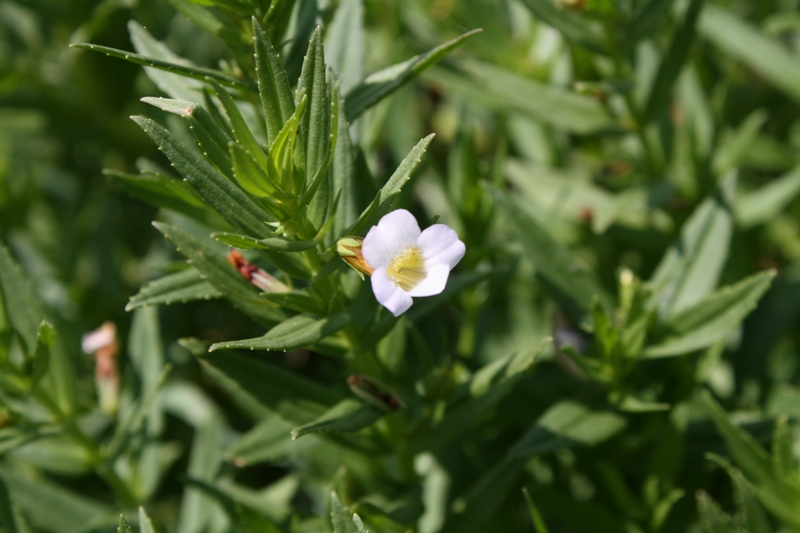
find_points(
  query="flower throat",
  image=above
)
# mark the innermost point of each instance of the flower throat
(407, 269)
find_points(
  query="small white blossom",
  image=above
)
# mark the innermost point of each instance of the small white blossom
(408, 262)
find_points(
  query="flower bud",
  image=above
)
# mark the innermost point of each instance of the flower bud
(349, 249)
(374, 392)
(103, 344)
(255, 275)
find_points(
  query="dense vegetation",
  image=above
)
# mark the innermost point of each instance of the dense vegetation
(617, 351)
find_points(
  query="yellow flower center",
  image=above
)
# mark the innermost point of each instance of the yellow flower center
(407, 269)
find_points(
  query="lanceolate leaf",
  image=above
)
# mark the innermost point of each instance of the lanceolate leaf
(184, 286)
(297, 332)
(691, 267)
(293, 397)
(672, 63)
(766, 202)
(568, 24)
(279, 244)
(555, 263)
(21, 303)
(229, 201)
(507, 92)
(244, 137)
(713, 318)
(219, 273)
(273, 85)
(383, 201)
(779, 497)
(343, 521)
(567, 424)
(378, 85)
(346, 416)
(212, 138)
(645, 20)
(759, 52)
(197, 73)
(165, 192)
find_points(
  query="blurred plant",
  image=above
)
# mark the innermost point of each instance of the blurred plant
(621, 174)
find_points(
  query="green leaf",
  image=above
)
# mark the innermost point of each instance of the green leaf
(734, 147)
(315, 199)
(711, 319)
(488, 387)
(8, 516)
(229, 201)
(212, 138)
(145, 525)
(241, 131)
(297, 332)
(712, 518)
(67, 511)
(379, 85)
(763, 54)
(383, 201)
(568, 24)
(565, 425)
(190, 71)
(269, 441)
(210, 22)
(672, 64)
(342, 520)
(216, 269)
(555, 263)
(346, 416)
(165, 192)
(259, 385)
(21, 303)
(344, 44)
(278, 244)
(536, 518)
(273, 84)
(256, 180)
(45, 339)
(646, 18)
(504, 91)
(184, 286)
(768, 201)
(691, 267)
(779, 497)
(124, 526)
(314, 125)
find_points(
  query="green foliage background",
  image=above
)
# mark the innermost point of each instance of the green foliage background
(617, 351)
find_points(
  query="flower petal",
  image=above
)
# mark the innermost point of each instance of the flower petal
(439, 244)
(395, 232)
(434, 281)
(388, 294)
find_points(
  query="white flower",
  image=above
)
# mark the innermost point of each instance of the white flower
(408, 262)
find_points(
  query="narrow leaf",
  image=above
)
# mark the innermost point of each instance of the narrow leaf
(346, 416)
(165, 192)
(672, 64)
(555, 263)
(759, 52)
(294, 398)
(297, 332)
(536, 518)
(765, 203)
(184, 286)
(273, 84)
(565, 425)
(713, 318)
(691, 267)
(279, 244)
(197, 73)
(229, 201)
(216, 269)
(568, 24)
(379, 85)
